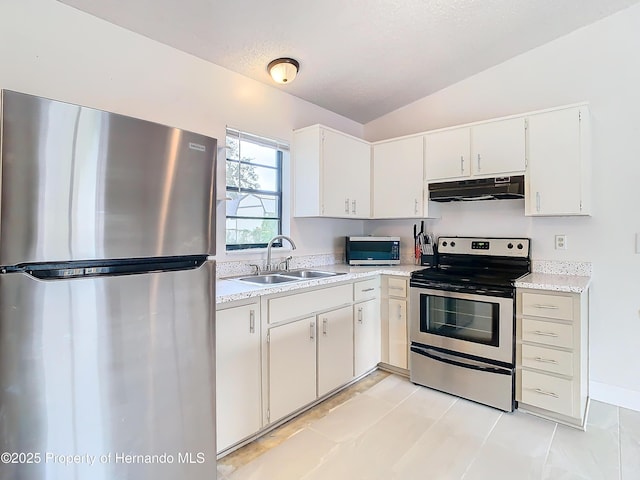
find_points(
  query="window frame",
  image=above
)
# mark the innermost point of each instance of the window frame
(280, 149)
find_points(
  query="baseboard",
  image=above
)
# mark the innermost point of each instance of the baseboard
(622, 397)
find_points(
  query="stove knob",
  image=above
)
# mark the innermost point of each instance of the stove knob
(510, 245)
(520, 246)
(453, 244)
(444, 244)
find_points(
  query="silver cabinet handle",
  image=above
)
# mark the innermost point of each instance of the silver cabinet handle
(461, 164)
(545, 334)
(415, 206)
(396, 288)
(346, 205)
(312, 330)
(399, 311)
(368, 289)
(252, 321)
(360, 315)
(538, 201)
(353, 207)
(546, 307)
(544, 392)
(324, 326)
(545, 360)
(478, 162)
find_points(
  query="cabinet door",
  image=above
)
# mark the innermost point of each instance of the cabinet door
(335, 349)
(498, 148)
(305, 156)
(238, 374)
(555, 170)
(346, 167)
(292, 367)
(447, 154)
(398, 178)
(360, 190)
(366, 333)
(398, 333)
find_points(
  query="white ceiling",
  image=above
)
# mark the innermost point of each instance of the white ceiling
(359, 58)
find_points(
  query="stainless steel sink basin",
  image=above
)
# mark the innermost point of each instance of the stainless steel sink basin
(310, 274)
(267, 279)
(284, 277)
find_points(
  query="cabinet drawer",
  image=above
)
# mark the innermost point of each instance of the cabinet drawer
(547, 359)
(550, 393)
(307, 303)
(547, 333)
(365, 289)
(397, 287)
(550, 306)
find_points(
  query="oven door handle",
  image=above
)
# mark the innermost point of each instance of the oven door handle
(440, 357)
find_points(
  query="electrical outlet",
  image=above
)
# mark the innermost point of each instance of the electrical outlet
(561, 242)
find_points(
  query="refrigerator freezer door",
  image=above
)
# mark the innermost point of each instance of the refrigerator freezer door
(80, 184)
(116, 370)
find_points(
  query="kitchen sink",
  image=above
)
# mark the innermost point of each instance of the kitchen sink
(267, 279)
(310, 274)
(284, 277)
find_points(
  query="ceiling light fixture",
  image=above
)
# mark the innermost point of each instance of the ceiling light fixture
(283, 70)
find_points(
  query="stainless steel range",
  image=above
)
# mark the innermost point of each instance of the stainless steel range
(463, 317)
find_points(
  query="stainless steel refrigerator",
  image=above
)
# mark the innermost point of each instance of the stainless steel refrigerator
(107, 297)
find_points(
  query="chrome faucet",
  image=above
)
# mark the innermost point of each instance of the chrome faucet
(270, 244)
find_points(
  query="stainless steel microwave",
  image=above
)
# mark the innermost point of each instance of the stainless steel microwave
(372, 250)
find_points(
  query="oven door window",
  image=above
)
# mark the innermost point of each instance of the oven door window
(470, 320)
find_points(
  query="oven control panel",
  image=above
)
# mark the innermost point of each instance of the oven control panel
(503, 247)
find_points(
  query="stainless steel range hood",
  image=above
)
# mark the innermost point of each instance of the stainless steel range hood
(497, 188)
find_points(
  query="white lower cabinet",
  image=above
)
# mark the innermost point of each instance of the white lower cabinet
(398, 346)
(304, 346)
(238, 374)
(292, 367)
(309, 358)
(552, 354)
(335, 349)
(366, 336)
(394, 322)
(309, 346)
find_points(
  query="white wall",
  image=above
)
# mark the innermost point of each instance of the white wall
(52, 50)
(598, 64)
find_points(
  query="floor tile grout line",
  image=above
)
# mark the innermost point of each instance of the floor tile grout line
(484, 441)
(322, 460)
(310, 426)
(619, 445)
(546, 457)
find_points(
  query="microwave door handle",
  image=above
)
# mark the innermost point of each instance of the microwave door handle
(444, 359)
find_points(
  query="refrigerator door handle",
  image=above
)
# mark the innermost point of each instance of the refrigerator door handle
(99, 268)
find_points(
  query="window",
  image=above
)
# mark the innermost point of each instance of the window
(254, 190)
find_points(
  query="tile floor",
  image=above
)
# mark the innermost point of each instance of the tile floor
(385, 427)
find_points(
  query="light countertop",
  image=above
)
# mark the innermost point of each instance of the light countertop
(558, 283)
(230, 289)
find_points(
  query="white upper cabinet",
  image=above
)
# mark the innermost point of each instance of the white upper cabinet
(494, 148)
(558, 163)
(398, 179)
(332, 174)
(447, 154)
(498, 148)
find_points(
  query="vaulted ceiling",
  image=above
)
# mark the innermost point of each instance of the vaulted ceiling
(358, 58)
